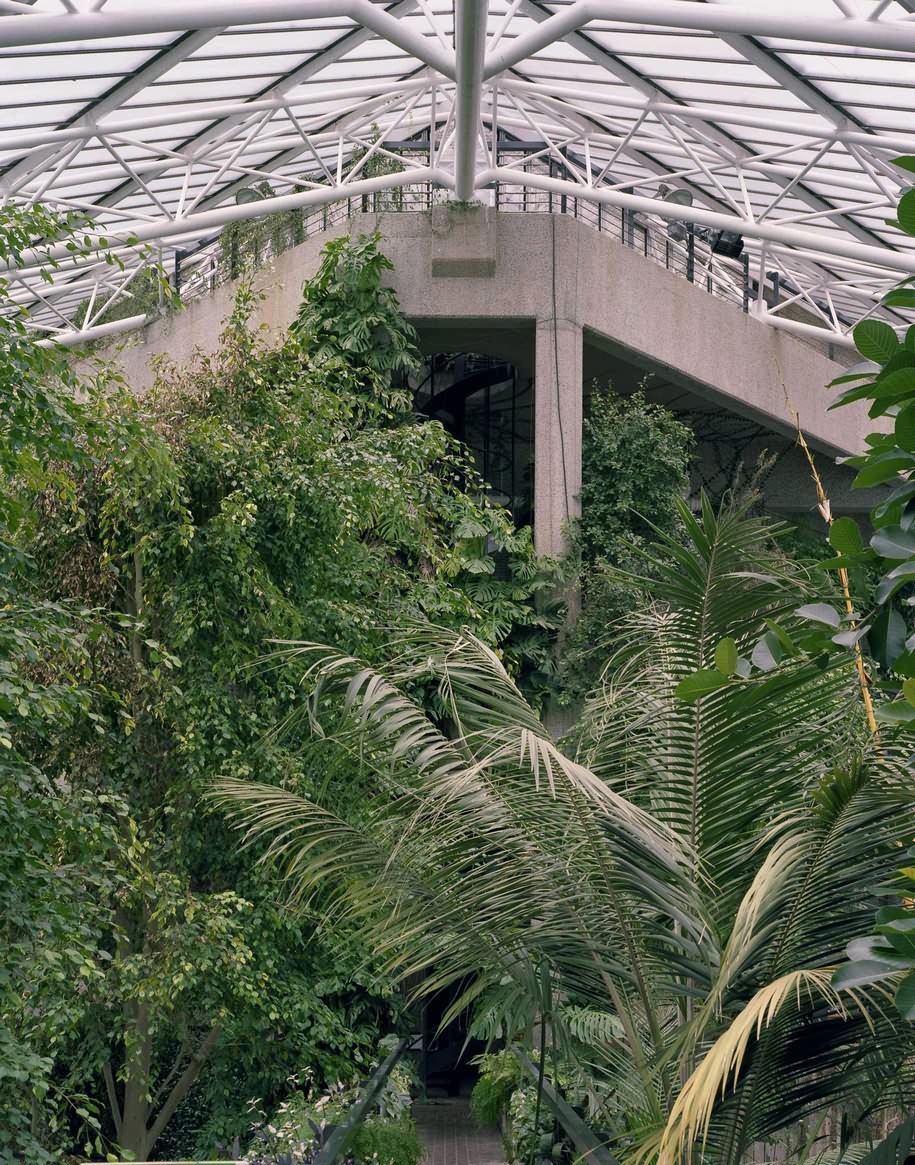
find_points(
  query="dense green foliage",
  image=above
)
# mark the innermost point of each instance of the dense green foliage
(663, 896)
(154, 548)
(621, 506)
(886, 380)
(301, 1125)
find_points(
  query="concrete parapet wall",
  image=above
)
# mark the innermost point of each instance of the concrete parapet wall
(543, 282)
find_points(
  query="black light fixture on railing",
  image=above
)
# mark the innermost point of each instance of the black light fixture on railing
(727, 244)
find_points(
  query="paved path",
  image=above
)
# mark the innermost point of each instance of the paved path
(451, 1136)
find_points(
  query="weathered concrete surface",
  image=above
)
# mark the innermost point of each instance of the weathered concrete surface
(530, 287)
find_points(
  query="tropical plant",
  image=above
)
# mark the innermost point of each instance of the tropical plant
(500, 1076)
(674, 873)
(886, 379)
(621, 506)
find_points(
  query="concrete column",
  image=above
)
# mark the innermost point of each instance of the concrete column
(557, 432)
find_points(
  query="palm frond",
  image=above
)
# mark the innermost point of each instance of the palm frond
(693, 1109)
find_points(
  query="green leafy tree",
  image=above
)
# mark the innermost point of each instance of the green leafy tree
(886, 379)
(261, 493)
(56, 841)
(622, 505)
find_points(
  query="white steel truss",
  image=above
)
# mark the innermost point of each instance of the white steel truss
(164, 122)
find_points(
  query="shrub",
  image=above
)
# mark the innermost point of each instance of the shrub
(387, 1142)
(499, 1077)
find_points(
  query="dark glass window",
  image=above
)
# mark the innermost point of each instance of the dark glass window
(487, 404)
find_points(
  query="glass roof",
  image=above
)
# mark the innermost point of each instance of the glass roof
(779, 120)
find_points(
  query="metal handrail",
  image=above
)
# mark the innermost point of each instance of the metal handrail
(332, 1150)
(201, 271)
(589, 1146)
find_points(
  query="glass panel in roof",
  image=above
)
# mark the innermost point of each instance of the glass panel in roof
(601, 83)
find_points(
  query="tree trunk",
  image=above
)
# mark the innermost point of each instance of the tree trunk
(135, 1110)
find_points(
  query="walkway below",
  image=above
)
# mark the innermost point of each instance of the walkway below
(451, 1136)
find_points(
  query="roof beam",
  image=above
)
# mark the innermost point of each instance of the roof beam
(686, 14)
(703, 113)
(809, 243)
(305, 72)
(22, 141)
(731, 147)
(127, 87)
(208, 14)
(470, 42)
(200, 222)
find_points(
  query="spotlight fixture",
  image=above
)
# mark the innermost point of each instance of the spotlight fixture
(247, 194)
(727, 244)
(676, 228)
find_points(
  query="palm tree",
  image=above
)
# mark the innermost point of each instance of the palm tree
(667, 896)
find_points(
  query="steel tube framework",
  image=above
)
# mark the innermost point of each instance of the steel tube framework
(470, 38)
(202, 14)
(810, 194)
(686, 14)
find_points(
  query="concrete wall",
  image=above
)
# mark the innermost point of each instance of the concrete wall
(531, 287)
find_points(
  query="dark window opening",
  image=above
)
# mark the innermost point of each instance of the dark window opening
(488, 404)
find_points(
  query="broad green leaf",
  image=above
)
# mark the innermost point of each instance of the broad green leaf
(887, 637)
(905, 162)
(851, 637)
(726, 657)
(901, 934)
(894, 580)
(845, 536)
(905, 212)
(862, 973)
(882, 467)
(866, 370)
(904, 664)
(786, 642)
(820, 613)
(905, 428)
(894, 542)
(897, 712)
(862, 392)
(767, 653)
(900, 297)
(905, 997)
(699, 684)
(875, 340)
(888, 913)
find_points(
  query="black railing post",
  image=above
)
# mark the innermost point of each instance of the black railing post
(690, 253)
(746, 282)
(600, 208)
(178, 257)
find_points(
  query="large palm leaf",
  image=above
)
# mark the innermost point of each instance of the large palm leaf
(677, 873)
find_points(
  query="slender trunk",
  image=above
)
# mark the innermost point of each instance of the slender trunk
(183, 1085)
(138, 1061)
